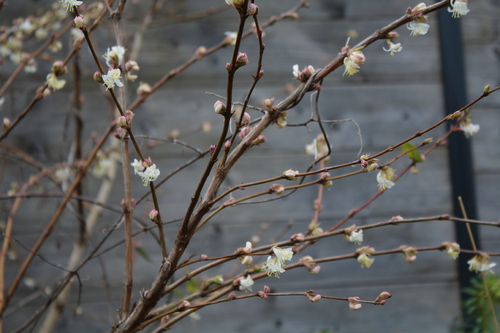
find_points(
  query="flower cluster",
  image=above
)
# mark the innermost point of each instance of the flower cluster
(352, 62)
(146, 170)
(418, 26)
(275, 262)
(305, 74)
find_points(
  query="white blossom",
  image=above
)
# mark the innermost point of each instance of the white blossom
(273, 266)
(480, 263)
(469, 129)
(68, 4)
(458, 8)
(356, 237)
(54, 83)
(112, 78)
(137, 165)
(283, 254)
(393, 47)
(115, 51)
(365, 260)
(383, 181)
(351, 67)
(246, 283)
(417, 28)
(149, 175)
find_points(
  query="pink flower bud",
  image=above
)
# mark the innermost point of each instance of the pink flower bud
(244, 131)
(315, 270)
(184, 304)
(261, 74)
(98, 77)
(200, 52)
(392, 35)
(267, 289)
(269, 102)
(5, 123)
(252, 9)
(357, 57)
(144, 89)
(78, 21)
(131, 65)
(204, 257)
(231, 296)
(315, 299)
(153, 215)
(245, 121)
(259, 140)
(297, 237)
(219, 107)
(122, 122)
(290, 174)
(212, 149)
(241, 60)
(262, 295)
(277, 188)
(383, 296)
(227, 145)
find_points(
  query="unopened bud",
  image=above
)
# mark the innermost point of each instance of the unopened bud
(204, 257)
(143, 89)
(392, 35)
(241, 59)
(277, 188)
(153, 215)
(486, 89)
(297, 237)
(122, 122)
(262, 295)
(131, 65)
(246, 119)
(227, 145)
(79, 23)
(5, 123)
(252, 9)
(315, 299)
(58, 68)
(290, 174)
(259, 140)
(219, 107)
(244, 132)
(184, 304)
(98, 77)
(383, 296)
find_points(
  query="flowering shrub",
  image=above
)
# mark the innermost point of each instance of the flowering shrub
(244, 128)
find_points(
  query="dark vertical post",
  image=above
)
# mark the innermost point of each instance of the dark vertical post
(459, 147)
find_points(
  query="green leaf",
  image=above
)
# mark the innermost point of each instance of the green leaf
(413, 154)
(192, 286)
(140, 251)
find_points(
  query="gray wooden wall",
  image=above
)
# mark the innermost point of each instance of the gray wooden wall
(390, 99)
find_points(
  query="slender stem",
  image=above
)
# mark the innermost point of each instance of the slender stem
(46, 232)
